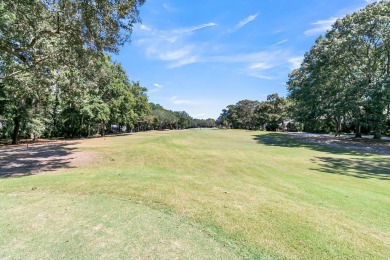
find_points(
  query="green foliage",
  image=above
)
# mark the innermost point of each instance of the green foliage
(247, 114)
(55, 79)
(344, 78)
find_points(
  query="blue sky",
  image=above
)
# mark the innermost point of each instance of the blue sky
(201, 56)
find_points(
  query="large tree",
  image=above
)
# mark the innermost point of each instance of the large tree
(51, 54)
(346, 73)
(37, 32)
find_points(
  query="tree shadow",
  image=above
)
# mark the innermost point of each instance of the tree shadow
(22, 161)
(357, 167)
(362, 166)
(284, 140)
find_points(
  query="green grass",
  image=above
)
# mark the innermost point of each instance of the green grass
(202, 194)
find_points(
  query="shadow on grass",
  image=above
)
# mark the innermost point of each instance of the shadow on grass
(284, 140)
(357, 167)
(22, 161)
(363, 166)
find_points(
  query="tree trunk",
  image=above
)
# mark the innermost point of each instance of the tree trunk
(358, 133)
(81, 126)
(344, 125)
(377, 135)
(103, 126)
(15, 134)
(337, 125)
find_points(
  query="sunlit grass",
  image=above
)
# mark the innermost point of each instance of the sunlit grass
(232, 193)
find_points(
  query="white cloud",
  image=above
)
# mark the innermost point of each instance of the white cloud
(173, 55)
(321, 26)
(172, 46)
(295, 62)
(281, 42)
(145, 28)
(176, 101)
(194, 28)
(184, 61)
(157, 87)
(270, 58)
(260, 76)
(244, 22)
(169, 8)
(261, 66)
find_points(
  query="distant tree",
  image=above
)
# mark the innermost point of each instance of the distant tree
(245, 110)
(271, 114)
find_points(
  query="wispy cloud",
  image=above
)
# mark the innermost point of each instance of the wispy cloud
(271, 58)
(295, 62)
(169, 8)
(177, 49)
(184, 61)
(157, 87)
(281, 42)
(144, 27)
(321, 26)
(263, 65)
(258, 75)
(173, 55)
(244, 22)
(194, 28)
(171, 46)
(176, 101)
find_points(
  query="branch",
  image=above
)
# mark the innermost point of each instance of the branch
(36, 38)
(15, 73)
(13, 52)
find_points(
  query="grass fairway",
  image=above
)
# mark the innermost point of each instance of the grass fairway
(202, 194)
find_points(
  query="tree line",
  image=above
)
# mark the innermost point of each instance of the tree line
(56, 75)
(342, 85)
(271, 115)
(167, 119)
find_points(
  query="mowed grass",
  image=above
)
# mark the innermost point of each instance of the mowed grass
(202, 194)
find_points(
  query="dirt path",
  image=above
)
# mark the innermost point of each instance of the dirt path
(16, 161)
(365, 145)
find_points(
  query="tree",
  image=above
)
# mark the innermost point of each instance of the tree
(245, 113)
(36, 32)
(270, 114)
(49, 51)
(346, 74)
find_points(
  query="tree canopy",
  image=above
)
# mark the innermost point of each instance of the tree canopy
(344, 80)
(248, 114)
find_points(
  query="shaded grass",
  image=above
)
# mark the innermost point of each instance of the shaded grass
(268, 196)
